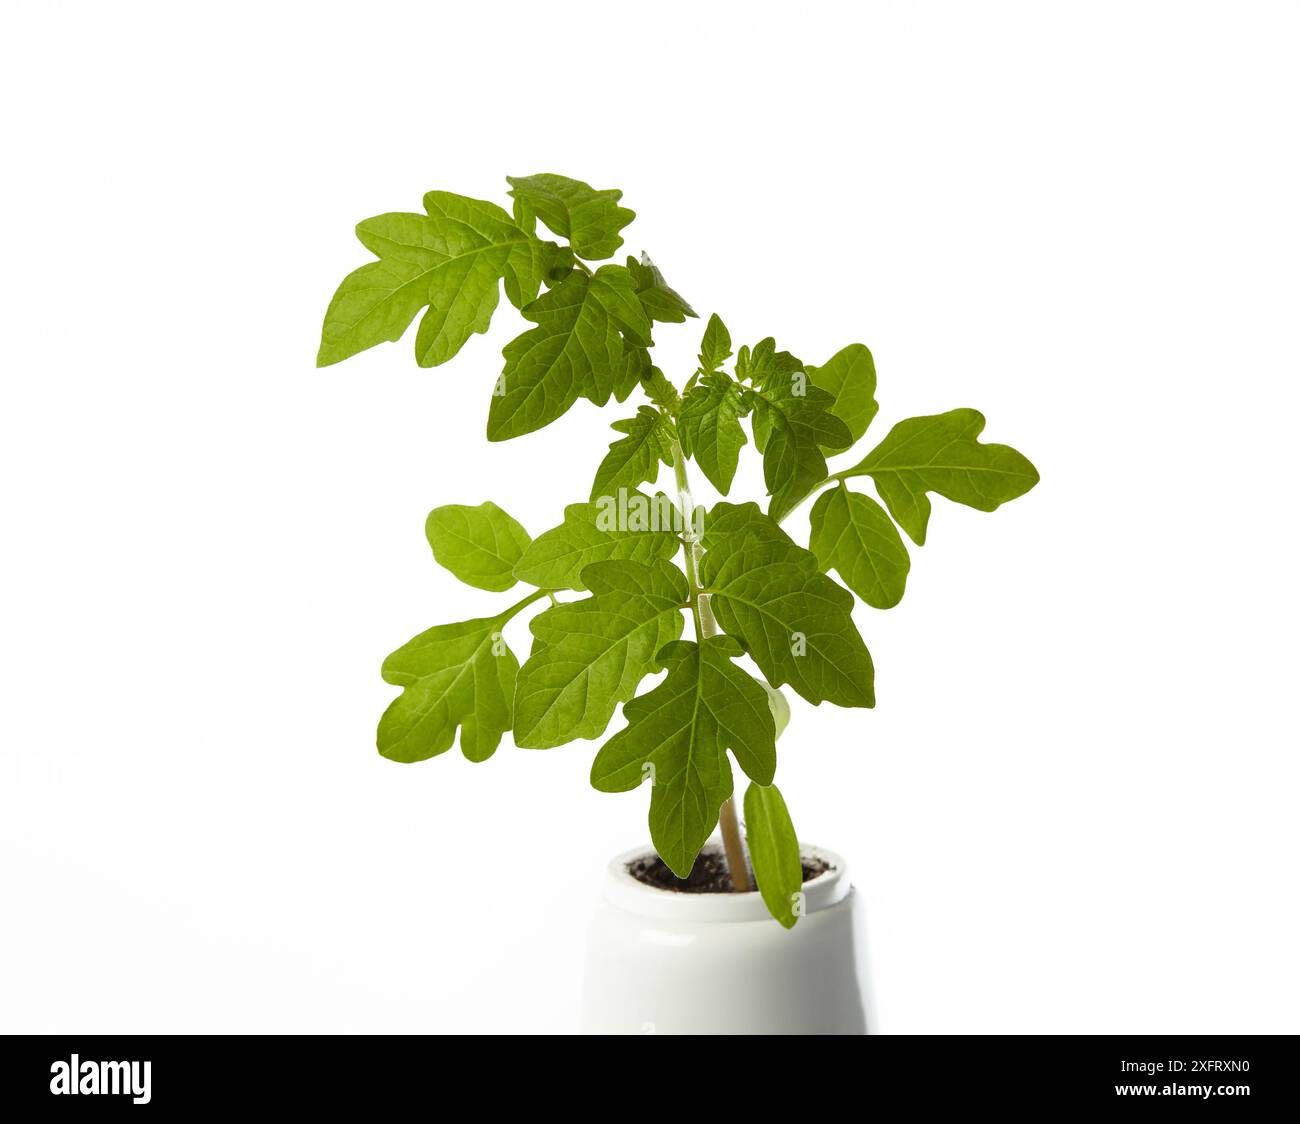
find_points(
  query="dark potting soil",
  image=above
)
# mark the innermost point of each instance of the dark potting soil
(708, 876)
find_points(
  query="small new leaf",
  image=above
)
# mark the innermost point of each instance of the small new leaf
(453, 675)
(661, 302)
(852, 535)
(629, 526)
(635, 459)
(660, 391)
(596, 651)
(589, 219)
(794, 417)
(709, 425)
(794, 620)
(763, 364)
(682, 729)
(941, 453)
(451, 260)
(576, 350)
(774, 851)
(715, 347)
(849, 376)
(480, 545)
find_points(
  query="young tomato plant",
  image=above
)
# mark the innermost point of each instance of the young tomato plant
(642, 563)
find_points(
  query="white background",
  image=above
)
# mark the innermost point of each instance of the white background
(1073, 808)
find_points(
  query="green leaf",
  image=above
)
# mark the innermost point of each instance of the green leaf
(780, 707)
(715, 347)
(480, 545)
(636, 368)
(683, 728)
(596, 651)
(589, 219)
(452, 260)
(941, 453)
(661, 302)
(793, 619)
(728, 525)
(577, 349)
(774, 851)
(795, 417)
(453, 675)
(850, 377)
(767, 368)
(763, 365)
(661, 392)
(597, 532)
(852, 534)
(635, 459)
(709, 425)
(557, 263)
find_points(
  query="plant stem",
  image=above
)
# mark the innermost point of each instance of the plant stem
(834, 478)
(705, 626)
(734, 846)
(518, 606)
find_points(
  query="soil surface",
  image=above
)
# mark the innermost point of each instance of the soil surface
(709, 875)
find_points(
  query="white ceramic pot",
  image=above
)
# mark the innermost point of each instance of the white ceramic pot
(665, 962)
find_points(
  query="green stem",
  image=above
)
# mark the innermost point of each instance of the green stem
(706, 626)
(834, 478)
(518, 606)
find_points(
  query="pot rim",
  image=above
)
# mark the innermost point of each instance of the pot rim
(625, 892)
